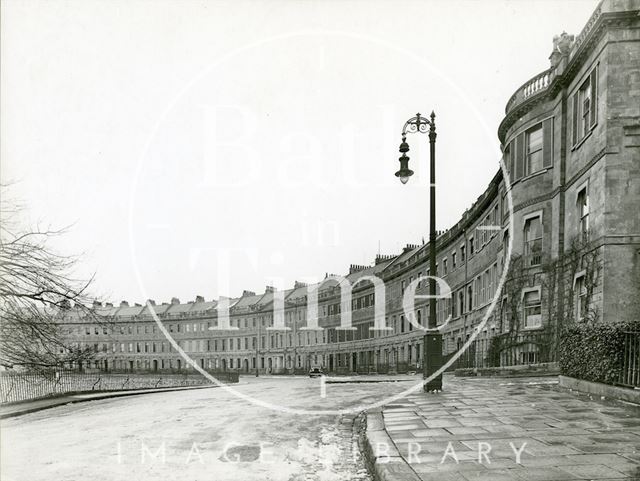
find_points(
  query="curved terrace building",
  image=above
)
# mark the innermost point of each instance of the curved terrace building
(571, 143)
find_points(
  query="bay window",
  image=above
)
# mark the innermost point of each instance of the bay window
(585, 113)
(533, 240)
(583, 212)
(532, 307)
(534, 150)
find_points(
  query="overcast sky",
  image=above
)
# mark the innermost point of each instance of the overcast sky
(172, 135)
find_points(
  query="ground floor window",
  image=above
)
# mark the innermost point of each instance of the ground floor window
(529, 357)
(580, 298)
(532, 309)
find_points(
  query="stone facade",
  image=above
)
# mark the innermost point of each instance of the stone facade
(571, 142)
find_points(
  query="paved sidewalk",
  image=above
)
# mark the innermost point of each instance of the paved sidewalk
(473, 429)
(365, 378)
(25, 407)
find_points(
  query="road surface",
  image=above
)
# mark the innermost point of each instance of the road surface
(207, 434)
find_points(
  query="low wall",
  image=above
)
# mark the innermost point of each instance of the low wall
(544, 369)
(602, 390)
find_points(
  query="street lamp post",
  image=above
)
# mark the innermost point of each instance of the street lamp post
(432, 350)
(258, 348)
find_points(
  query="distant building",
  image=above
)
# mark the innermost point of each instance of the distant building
(571, 143)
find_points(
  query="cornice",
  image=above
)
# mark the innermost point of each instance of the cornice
(583, 47)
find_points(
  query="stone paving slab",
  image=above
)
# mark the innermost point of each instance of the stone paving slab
(496, 429)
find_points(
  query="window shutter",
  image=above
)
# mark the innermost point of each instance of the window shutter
(547, 143)
(593, 114)
(574, 120)
(519, 156)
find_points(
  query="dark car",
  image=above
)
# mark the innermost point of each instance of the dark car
(316, 372)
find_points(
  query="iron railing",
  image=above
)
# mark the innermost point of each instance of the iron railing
(508, 349)
(630, 372)
(24, 386)
(382, 368)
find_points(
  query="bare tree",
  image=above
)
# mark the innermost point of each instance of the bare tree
(504, 347)
(38, 294)
(517, 278)
(557, 279)
(582, 257)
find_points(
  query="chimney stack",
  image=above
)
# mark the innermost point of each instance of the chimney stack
(410, 247)
(175, 300)
(356, 268)
(381, 258)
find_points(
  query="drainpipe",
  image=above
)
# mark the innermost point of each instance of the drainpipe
(464, 290)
